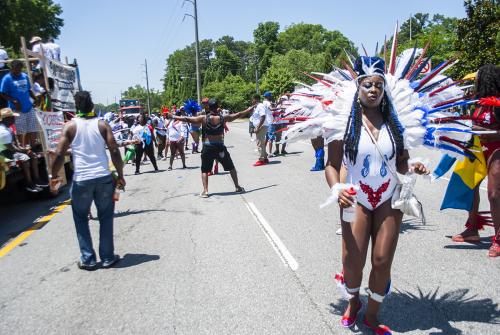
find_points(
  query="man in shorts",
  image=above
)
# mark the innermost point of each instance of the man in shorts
(16, 89)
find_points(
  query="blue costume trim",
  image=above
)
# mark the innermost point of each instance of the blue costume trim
(366, 166)
(383, 168)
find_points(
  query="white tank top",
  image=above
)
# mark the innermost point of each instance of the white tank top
(89, 151)
(175, 129)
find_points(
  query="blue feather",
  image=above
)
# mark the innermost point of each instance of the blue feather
(433, 85)
(410, 62)
(191, 107)
(454, 104)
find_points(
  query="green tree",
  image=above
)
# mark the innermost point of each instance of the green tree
(224, 63)
(315, 39)
(179, 82)
(28, 18)
(478, 36)
(278, 80)
(233, 92)
(303, 36)
(265, 39)
(419, 22)
(299, 61)
(439, 31)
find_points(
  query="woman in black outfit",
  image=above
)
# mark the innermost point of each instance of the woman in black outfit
(213, 142)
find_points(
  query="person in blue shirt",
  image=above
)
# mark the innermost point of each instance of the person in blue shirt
(16, 89)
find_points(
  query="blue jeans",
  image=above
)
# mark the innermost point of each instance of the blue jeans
(99, 190)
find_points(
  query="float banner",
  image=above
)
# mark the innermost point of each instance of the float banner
(65, 82)
(52, 124)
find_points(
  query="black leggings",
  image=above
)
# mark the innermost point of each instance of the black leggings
(149, 151)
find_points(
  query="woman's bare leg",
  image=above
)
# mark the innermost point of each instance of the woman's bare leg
(385, 234)
(173, 150)
(494, 195)
(181, 151)
(355, 239)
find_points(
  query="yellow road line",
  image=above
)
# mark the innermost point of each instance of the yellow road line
(37, 225)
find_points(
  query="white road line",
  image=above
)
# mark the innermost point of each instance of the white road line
(278, 246)
(448, 179)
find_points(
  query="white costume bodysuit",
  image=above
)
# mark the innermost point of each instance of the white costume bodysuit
(376, 182)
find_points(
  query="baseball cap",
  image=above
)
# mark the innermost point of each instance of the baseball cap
(7, 112)
(267, 94)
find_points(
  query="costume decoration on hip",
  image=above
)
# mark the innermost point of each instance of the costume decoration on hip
(374, 196)
(146, 135)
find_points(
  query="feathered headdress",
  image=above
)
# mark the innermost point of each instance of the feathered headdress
(422, 102)
(369, 66)
(191, 107)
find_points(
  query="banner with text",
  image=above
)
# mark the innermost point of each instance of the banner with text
(65, 83)
(52, 124)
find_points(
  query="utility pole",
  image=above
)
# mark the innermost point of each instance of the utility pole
(147, 84)
(410, 26)
(197, 48)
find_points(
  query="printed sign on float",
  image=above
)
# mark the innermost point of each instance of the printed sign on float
(65, 86)
(52, 124)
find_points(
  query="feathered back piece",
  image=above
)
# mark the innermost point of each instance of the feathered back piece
(191, 107)
(423, 103)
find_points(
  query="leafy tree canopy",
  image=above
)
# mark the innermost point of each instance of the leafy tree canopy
(233, 92)
(478, 36)
(28, 18)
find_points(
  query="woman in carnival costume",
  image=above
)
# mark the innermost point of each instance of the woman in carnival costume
(372, 112)
(370, 115)
(486, 117)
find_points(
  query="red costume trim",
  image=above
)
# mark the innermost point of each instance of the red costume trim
(374, 197)
(481, 221)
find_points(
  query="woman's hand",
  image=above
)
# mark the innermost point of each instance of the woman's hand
(419, 168)
(345, 199)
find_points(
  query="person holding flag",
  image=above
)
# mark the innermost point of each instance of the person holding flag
(463, 189)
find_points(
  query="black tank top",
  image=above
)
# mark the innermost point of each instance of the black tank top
(213, 129)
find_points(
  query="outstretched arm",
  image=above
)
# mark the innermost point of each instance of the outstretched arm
(188, 119)
(114, 152)
(238, 115)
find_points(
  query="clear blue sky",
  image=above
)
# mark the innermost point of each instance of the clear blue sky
(111, 38)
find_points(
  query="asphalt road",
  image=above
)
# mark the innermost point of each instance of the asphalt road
(258, 263)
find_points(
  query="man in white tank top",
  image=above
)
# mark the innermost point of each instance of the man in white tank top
(92, 180)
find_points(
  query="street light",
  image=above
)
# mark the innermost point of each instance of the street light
(197, 47)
